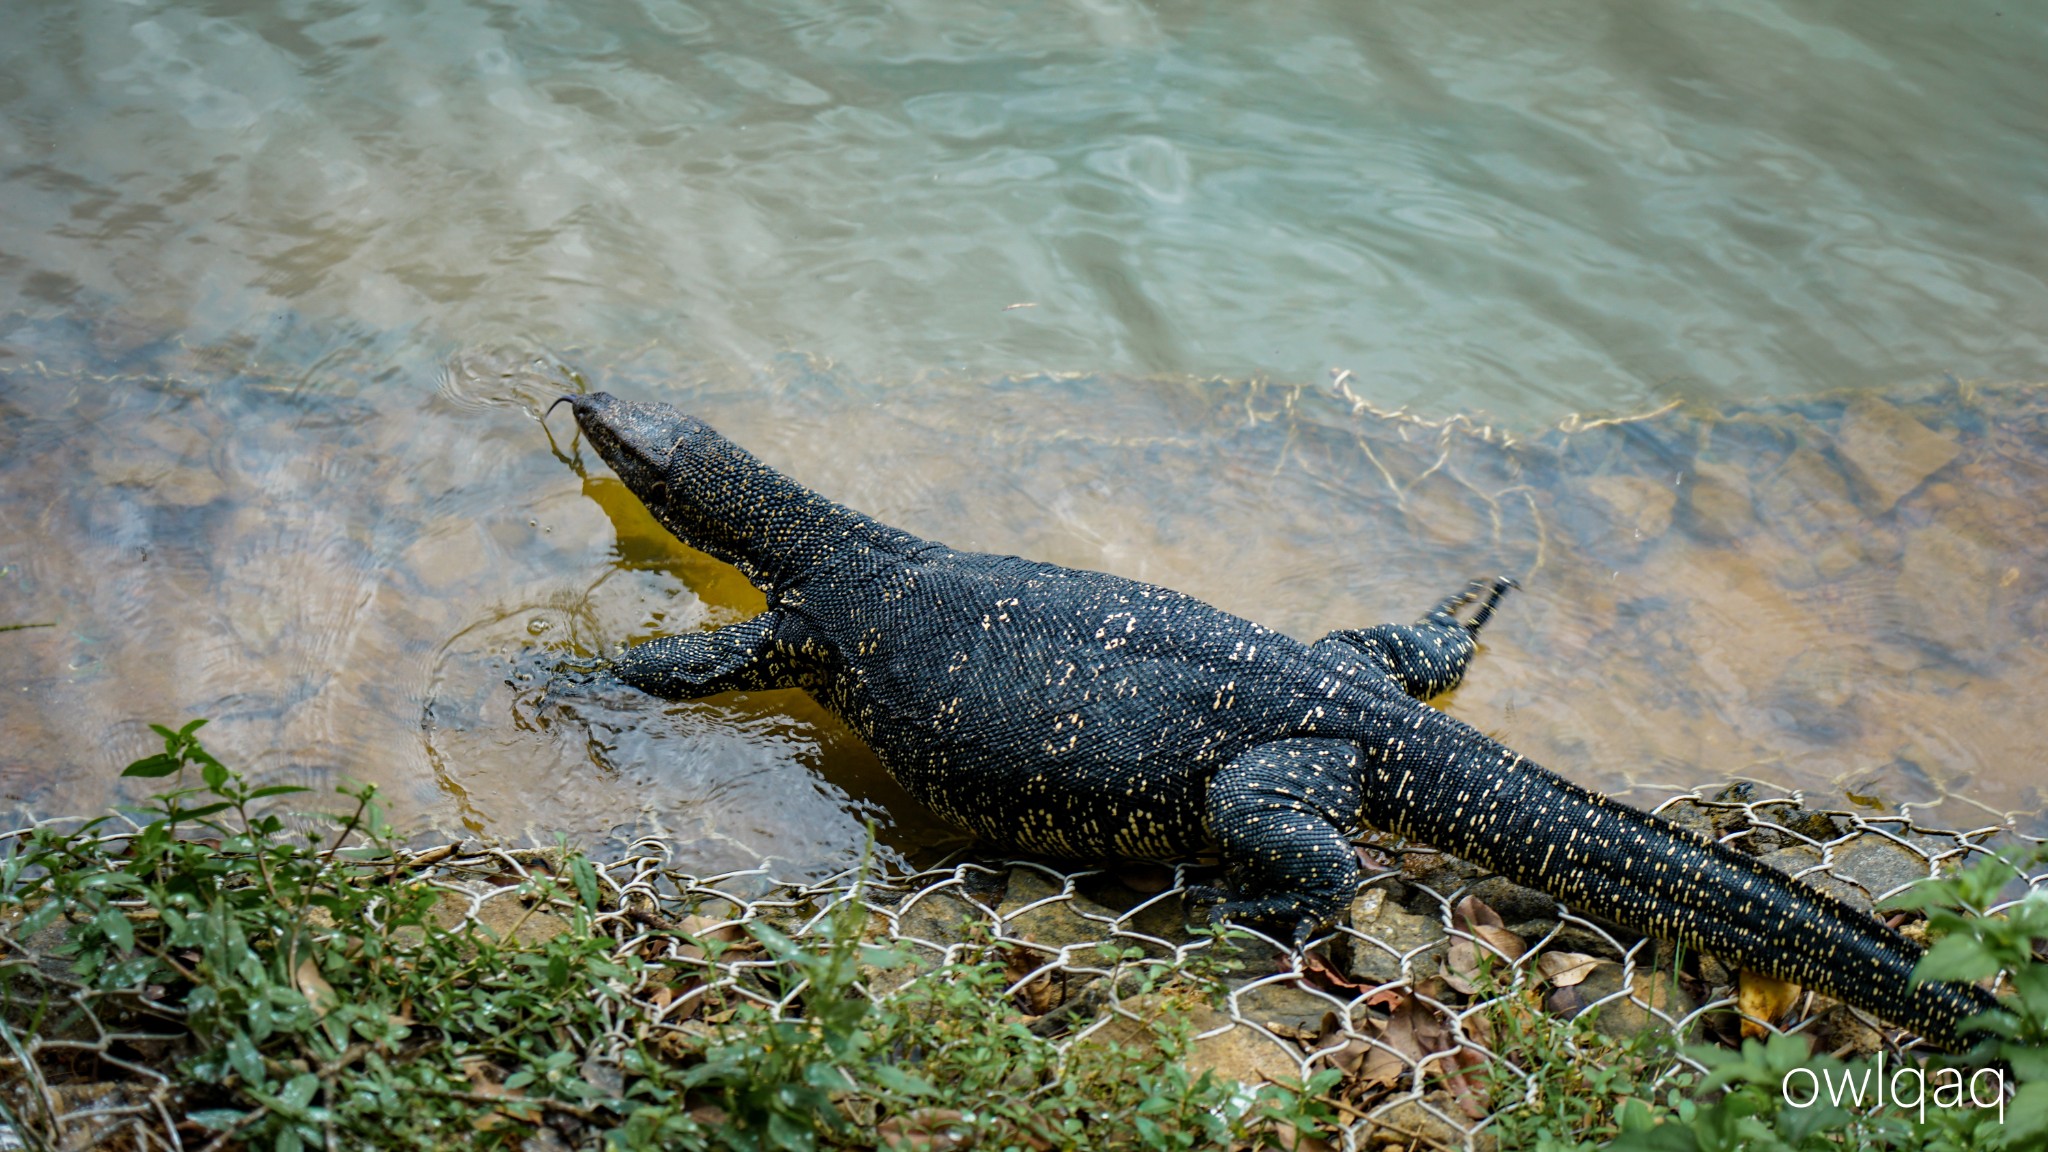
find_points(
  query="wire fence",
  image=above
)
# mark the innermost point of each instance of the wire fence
(1440, 999)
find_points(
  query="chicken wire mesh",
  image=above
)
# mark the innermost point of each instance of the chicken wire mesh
(1428, 999)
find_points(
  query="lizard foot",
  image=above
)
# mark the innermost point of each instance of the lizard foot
(1282, 918)
(571, 676)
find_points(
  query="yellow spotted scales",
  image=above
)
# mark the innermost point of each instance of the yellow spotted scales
(1081, 714)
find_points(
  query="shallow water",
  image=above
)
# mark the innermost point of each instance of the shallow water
(1845, 594)
(283, 287)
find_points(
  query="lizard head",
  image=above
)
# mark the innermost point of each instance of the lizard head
(641, 442)
(701, 486)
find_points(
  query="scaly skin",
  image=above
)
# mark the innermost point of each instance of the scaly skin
(1084, 715)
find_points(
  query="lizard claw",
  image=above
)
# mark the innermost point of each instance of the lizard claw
(571, 675)
(1270, 912)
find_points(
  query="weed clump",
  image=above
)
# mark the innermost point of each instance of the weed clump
(213, 975)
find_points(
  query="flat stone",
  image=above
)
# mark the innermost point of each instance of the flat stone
(1719, 499)
(449, 553)
(1689, 813)
(1144, 910)
(1246, 1055)
(1640, 507)
(1443, 511)
(1817, 688)
(1805, 481)
(1813, 825)
(1441, 873)
(1395, 932)
(1063, 922)
(941, 918)
(1286, 1005)
(1798, 858)
(1791, 859)
(1947, 583)
(1513, 901)
(507, 918)
(1626, 1017)
(1569, 938)
(1888, 453)
(188, 486)
(167, 480)
(1879, 864)
(1808, 517)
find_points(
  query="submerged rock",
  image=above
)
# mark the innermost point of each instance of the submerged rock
(1639, 506)
(1888, 453)
(1948, 583)
(1719, 499)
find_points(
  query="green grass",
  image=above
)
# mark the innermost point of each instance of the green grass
(284, 988)
(258, 982)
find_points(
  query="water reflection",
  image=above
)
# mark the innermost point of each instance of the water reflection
(1844, 593)
(1591, 205)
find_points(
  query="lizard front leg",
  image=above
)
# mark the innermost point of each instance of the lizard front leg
(752, 655)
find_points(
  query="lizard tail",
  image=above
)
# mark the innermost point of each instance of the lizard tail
(1440, 782)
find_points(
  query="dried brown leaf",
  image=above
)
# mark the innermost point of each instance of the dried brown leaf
(1318, 972)
(1762, 997)
(1564, 969)
(1399, 1048)
(1501, 940)
(1468, 954)
(1472, 911)
(314, 987)
(1465, 1085)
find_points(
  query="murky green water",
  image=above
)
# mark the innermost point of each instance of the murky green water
(281, 283)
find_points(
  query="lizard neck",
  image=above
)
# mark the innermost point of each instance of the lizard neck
(724, 501)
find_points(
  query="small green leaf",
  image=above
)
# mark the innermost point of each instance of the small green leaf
(298, 1093)
(903, 1083)
(2026, 1119)
(217, 1119)
(113, 923)
(214, 773)
(277, 790)
(586, 881)
(153, 767)
(2028, 1064)
(243, 1059)
(38, 919)
(789, 1134)
(1963, 958)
